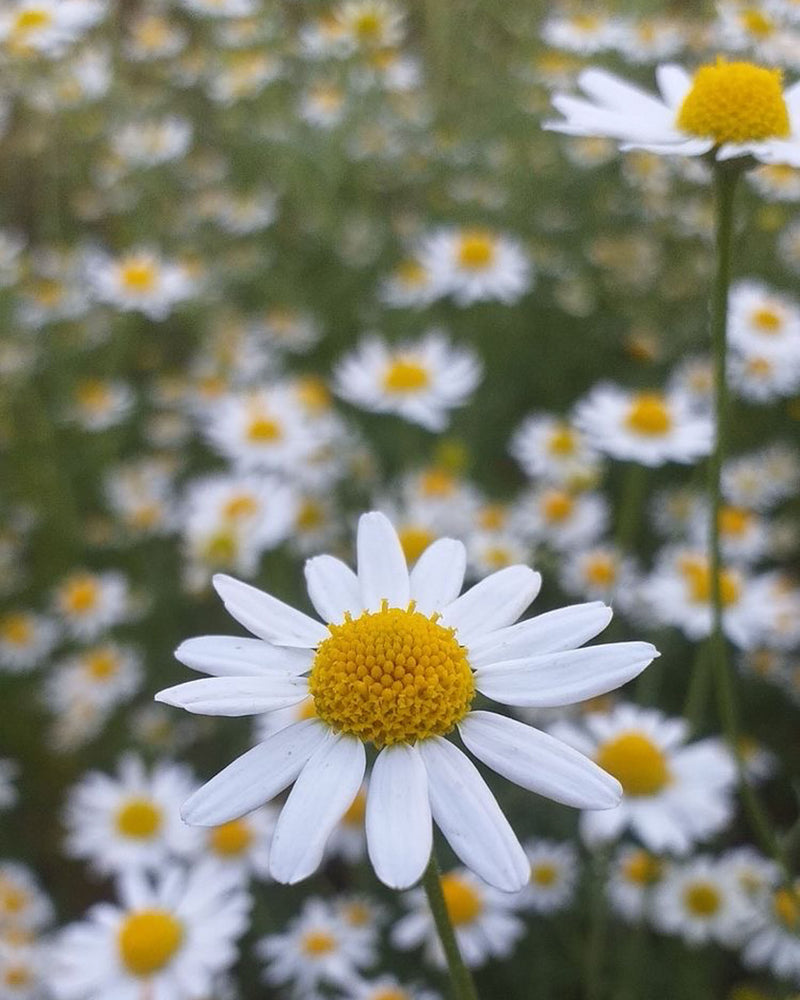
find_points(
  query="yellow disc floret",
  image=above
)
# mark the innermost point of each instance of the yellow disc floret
(786, 904)
(463, 902)
(391, 676)
(648, 414)
(735, 102)
(138, 818)
(231, 839)
(702, 899)
(147, 940)
(476, 250)
(636, 762)
(405, 375)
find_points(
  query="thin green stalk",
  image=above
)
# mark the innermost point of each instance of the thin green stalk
(694, 708)
(726, 176)
(460, 976)
(629, 514)
(596, 947)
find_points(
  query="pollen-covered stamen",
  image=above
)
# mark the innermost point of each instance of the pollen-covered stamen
(391, 676)
(405, 375)
(636, 762)
(735, 102)
(649, 415)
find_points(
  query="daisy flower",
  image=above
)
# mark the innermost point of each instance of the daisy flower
(650, 428)
(476, 265)
(169, 937)
(675, 793)
(90, 603)
(551, 449)
(99, 403)
(561, 519)
(242, 845)
(419, 381)
(22, 970)
(397, 666)
(554, 874)
(763, 320)
(26, 640)
(24, 906)
(482, 918)
(634, 875)
(388, 988)
(103, 676)
(141, 281)
(773, 940)
(408, 286)
(701, 901)
(732, 109)
(130, 822)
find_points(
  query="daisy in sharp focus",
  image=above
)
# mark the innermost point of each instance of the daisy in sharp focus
(397, 666)
(731, 109)
(419, 381)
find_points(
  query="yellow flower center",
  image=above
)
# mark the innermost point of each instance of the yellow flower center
(636, 762)
(367, 26)
(497, 556)
(544, 875)
(139, 819)
(138, 276)
(601, 570)
(14, 900)
(702, 899)
(462, 901)
(437, 483)
(313, 394)
(411, 273)
(101, 664)
(318, 943)
(390, 994)
(357, 914)
(767, 320)
(231, 839)
(414, 541)
(80, 595)
(392, 676)
(221, 549)
(562, 441)
(18, 977)
(148, 940)
(557, 506)
(16, 629)
(492, 517)
(31, 20)
(756, 22)
(642, 868)
(476, 250)
(405, 375)
(734, 521)
(735, 102)
(310, 516)
(262, 429)
(786, 905)
(698, 579)
(93, 394)
(354, 817)
(648, 414)
(240, 506)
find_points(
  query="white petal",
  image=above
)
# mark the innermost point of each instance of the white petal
(267, 617)
(538, 762)
(322, 794)
(255, 777)
(468, 815)
(398, 820)
(613, 92)
(438, 575)
(230, 656)
(236, 695)
(333, 588)
(382, 570)
(496, 601)
(552, 632)
(674, 83)
(565, 678)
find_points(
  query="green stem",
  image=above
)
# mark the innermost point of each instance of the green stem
(694, 708)
(596, 947)
(726, 176)
(460, 976)
(629, 515)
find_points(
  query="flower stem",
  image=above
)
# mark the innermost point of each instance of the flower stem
(726, 176)
(460, 976)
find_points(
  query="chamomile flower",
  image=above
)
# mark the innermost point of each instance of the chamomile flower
(22, 970)
(634, 875)
(139, 281)
(764, 376)
(24, 906)
(554, 874)
(649, 428)
(151, 143)
(776, 182)
(318, 948)
(476, 265)
(742, 533)
(598, 573)
(403, 703)
(370, 24)
(773, 941)
(676, 794)
(551, 449)
(561, 519)
(169, 937)
(732, 109)
(483, 919)
(130, 821)
(388, 988)
(409, 286)
(26, 640)
(701, 901)
(46, 27)
(585, 33)
(242, 845)
(90, 603)
(763, 320)
(102, 676)
(418, 380)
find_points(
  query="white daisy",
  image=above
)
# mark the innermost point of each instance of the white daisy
(418, 380)
(168, 939)
(388, 988)
(22, 970)
(650, 428)
(773, 940)
(26, 640)
(675, 794)
(141, 280)
(24, 906)
(102, 676)
(733, 109)
(761, 320)
(552, 449)
(482, 918)
(426, 652)
(242, 845)
(561, 519)
(100, 403)
(131, 821)
(90, 603)
(475, 265)
(634, 875)
(554, 875)
(701, 901)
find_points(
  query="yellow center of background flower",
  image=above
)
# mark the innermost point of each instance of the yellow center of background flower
(138, 276)
(476, 251)
(557, 506)
(787, 908)
(231, 839)
(391, 994)
(32, 20)
(636, 762)
(393, 676)
(648, 414)
(411, 272)
(414, 541)
(318, 943)
(148, 940)
(16, 629)
(698, 578)
(642, 868)
(734, 521)
(767, 320)
(735, 102)
(18, 977)
(702, 899)
(404, 375)
(139, 819)
(462, 901)
(601, 570)
(80, 595)
(543, 875)
(101, 664)
(562, 441)
(240, 506)
(262, 429)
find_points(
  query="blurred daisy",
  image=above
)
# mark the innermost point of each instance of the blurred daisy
(318, 948)
(131, 821)
(585, 33)
(26, 640)
(168, 938)
(150, 35)
(763, 377)
(634, 875)
(98, 403)
(46, 27)
(742, 532)
(733, 109)
(418, 774)
(24, 906)
(700, 901)
(554, 875)
(676, 794)
(561, 519)
(650, 428)
(388, 988)
(102, 676)
(778, 182)
(370, 24)
(221, 8)
(763, 320)
(409, 286)
(475, 265)
(598, 573)
(90, 603)
(151, 143)
(23, 966)
(242, 845)
(773, 939)
(552, 449)
(141, 281)
(420, 381)
(483, 919)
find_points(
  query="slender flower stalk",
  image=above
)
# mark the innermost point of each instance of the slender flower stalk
(460, 977)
